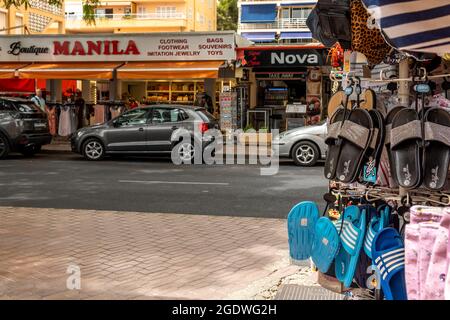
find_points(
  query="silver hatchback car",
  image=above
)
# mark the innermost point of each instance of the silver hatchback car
(304, 145)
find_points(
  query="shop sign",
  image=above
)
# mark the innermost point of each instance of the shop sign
(280, 75)
(283, 58)
(123, 47)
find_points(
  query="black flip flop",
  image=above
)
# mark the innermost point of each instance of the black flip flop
(437, 148)
(387, 141)
(373, 155)
(332, 142)
(406, 144)
(354, 137)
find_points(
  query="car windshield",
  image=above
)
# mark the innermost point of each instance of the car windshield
(26, 107)
(205, 115)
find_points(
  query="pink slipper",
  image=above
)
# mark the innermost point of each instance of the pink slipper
(411, 261)
(438, 266)
(425, 213)
(427, 237)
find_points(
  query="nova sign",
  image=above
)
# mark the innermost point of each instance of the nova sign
(278, 58)
(284, 58)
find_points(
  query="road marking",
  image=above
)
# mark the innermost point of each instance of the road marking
(175, 182)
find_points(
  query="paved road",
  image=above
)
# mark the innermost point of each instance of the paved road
(66, 181)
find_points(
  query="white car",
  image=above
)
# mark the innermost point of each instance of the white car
(304, 145)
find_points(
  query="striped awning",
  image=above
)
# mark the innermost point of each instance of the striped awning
(422, 26)
(259, 36)
(295, 35)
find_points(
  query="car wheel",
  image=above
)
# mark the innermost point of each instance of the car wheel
(305, 154)
(93, 150)
(4, 147)
(30, 151)
(183, 152)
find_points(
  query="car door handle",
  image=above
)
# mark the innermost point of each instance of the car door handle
(174, 128)
(141, 129)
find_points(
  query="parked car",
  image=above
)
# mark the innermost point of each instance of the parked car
(146, 130)
(304, 145)
(23, 127)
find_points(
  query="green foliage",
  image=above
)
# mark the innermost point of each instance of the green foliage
(227, 15)
(89, 7)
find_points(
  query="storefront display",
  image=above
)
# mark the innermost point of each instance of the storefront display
(385, 229)
(286, 75)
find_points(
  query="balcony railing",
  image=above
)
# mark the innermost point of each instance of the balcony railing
(293, 23)
(131, 16)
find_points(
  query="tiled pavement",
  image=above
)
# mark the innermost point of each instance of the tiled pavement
(126, 255)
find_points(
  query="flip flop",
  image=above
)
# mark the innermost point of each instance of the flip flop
(372, 157)
(388, 253)
(437, 148)
(354, 139)
(326, 244)
(332, 142)
(376, 224)
(406, 140)
(352, 237)
(387, 137)
(301, 222)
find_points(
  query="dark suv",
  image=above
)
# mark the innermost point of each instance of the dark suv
(147, 130)
(23, 127)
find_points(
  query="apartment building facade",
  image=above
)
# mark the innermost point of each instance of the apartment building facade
(275, 22)
(144, 16)
(39, 17)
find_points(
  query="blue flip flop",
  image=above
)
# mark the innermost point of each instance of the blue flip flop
(325, 245)
(301, 222)
(351, 238)
(376, 224)
(388, 252)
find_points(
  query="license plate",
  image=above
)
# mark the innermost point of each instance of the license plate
(40, 125)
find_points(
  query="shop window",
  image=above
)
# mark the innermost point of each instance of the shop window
(132, 118)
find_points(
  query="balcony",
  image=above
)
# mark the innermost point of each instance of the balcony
(108, 22)
(293, 23)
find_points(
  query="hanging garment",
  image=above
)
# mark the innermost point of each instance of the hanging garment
(67, 123)
(420, 26)
(52, 120)
(99, 113)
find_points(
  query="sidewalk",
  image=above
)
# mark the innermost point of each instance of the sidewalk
(127, 255)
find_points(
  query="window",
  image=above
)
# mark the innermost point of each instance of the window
(297, 13)
(141, 10)
(166, 12)
(285, 13)
(132, 118)
(3, 22)
(109, 13)
(163, 115)
(19, 24)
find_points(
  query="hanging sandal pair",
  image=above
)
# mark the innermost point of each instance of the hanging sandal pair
(354, 142)
(419, 147)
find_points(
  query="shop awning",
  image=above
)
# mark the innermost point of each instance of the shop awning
(295, 35)
(8, 70)
(259, 36)
(255, 13)
(69, 71)
(298, 3)
(169, 70)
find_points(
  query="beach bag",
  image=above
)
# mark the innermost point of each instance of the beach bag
(329, 22)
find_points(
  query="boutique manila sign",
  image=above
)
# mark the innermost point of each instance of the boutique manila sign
(123, 47)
